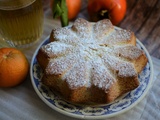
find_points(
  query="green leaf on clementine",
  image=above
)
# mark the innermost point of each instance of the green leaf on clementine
(60, 10)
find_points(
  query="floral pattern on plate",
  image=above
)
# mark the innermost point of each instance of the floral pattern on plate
(92, 112)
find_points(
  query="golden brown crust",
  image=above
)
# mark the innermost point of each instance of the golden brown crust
(42, 59)
(91, 62)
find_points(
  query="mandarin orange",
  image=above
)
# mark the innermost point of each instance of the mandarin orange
(14, 67)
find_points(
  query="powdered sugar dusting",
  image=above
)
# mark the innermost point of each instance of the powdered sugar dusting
(117, 37)
(65, 35)
(100, 29)
(81, 27)
(55, 49)
(128, 51)
(87, 54)
(60, 65)
(77, 76)
(122, 68)
(100, 75)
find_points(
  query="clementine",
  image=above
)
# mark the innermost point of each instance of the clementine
(14, 67)
(73, 6)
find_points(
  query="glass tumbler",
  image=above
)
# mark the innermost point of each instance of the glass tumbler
(21, 22)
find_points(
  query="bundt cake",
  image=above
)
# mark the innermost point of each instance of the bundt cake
(91, 63)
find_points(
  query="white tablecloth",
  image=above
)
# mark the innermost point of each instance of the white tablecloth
(22, 102)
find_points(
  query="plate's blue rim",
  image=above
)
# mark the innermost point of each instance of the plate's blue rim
(93, 117)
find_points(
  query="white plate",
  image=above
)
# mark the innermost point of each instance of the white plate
(92, 112)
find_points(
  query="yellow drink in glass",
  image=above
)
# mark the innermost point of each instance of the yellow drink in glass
(21, 21)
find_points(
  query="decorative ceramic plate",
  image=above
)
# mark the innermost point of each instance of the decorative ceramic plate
(117, 107)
